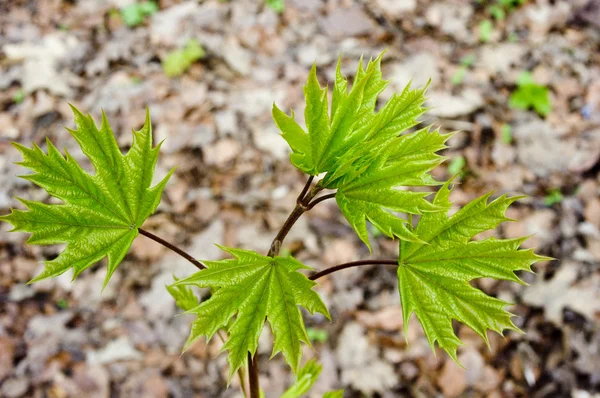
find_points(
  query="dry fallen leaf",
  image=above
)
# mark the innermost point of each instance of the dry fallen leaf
(563, 291)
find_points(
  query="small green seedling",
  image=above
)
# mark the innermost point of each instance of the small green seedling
(317, 335)
(511, 5)
(179, 61)
(276, 5)
(369, 160)
(498, 11)
(135, 14)
(553, 197)
(506, 132)
(19, 96)
(62, 304)
(465, 63)
(457, 165)
(486, 29)
(531, 95)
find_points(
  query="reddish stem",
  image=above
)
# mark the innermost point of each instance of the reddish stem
(171, 246)
(253, 375)
(350, 265)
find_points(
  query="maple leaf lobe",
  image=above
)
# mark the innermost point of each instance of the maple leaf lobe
(100, 213)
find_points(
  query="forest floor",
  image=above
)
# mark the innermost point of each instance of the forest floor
(234, 186)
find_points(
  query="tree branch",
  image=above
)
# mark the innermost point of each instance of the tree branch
(350, 265)
(171, 246)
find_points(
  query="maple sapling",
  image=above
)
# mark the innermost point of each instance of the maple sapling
(366, 160)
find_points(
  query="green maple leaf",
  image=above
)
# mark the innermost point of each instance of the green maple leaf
(134, 14)
(372, 193)
(362, 152)
(253, 288)
(352, 120)
(434, 275)
(102, 212)
(531, 95)
(178, 61)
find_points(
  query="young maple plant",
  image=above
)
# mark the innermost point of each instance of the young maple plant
(366, 160)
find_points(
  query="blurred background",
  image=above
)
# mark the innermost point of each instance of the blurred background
(520, 79)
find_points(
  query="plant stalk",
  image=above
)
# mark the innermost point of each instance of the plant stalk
(303, 204)
(171, 246)
(285, 229)
(350, 265)
(253, 376)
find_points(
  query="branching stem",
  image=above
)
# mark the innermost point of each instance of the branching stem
(302, 205)
(305, 189)
(171, 246)
(350, 265)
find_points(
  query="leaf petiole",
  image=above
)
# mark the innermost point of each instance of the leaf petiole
(351, 264)
(172, 247)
